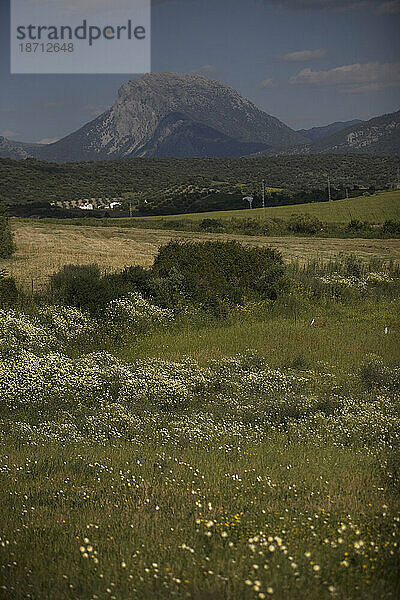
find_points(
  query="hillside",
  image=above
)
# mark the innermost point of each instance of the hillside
(374, 209)
(316, 133)
(380, 136)
(159, 180)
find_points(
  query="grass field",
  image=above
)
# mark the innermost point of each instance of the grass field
(338, 338)
(44, 247)
(248, 455)
(375, 209)
(233, 480)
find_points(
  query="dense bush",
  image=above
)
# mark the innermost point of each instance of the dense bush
(7, 246)
(81, 286)
(304, 224)
(391, 227)
(216, 271)
(8, 290)
(165, 292)
(211, 225)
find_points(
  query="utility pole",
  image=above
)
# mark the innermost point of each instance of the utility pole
(263, 194)
(130, 208)
(347, 193)
(329, 189)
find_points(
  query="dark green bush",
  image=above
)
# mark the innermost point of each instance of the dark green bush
(211, 225)
(356, 225)
(7, 246)
(211, 271)
(81, 286)
(165, 292)
(8, 290)
(391, 227)
(304, 224)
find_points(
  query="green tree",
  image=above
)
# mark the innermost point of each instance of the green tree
(7, 245)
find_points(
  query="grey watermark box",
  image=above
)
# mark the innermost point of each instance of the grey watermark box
(80, 36)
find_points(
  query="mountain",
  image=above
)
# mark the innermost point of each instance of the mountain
(380, 135)
(167, 114)
(172, 115)
(317, 133)
(16, 150)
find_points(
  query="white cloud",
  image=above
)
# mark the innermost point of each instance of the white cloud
(303, 55)
(355, 78)
(267, 83)
(48, 140)
(392, 7)
(8, 133)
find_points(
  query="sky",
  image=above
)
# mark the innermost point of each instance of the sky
(307, 62)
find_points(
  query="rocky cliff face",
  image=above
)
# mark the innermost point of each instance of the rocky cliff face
(173, 115)
(167, 114)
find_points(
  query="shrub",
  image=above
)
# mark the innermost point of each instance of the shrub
(165, 292)
(7, 246)
(80, 286)
(391, 227)
(216, 271)
(375, 375)
(211, 225)
(8, 290)
(304, 224)
(355, 225)
(134, 311)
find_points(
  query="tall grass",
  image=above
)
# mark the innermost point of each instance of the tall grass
(148, 454)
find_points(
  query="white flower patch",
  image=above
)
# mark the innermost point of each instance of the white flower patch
(18, 331)
(137, 312)
(66, 321)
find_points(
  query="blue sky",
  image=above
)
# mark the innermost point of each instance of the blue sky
(307, 62)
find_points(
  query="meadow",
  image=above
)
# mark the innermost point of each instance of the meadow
(167, 444)
(375, 208)
(43, 247)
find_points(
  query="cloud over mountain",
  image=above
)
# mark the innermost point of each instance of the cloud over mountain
(354, 78)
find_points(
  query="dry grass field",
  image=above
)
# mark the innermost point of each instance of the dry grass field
(43, 248)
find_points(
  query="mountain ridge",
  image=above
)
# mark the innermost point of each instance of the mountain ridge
(168, 114)
(192, 116)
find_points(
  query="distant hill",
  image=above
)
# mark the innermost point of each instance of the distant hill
(184, 182)
(380, 135)
(317, 133)
(17, 150)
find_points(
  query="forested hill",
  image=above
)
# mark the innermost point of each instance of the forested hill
(31, 180)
